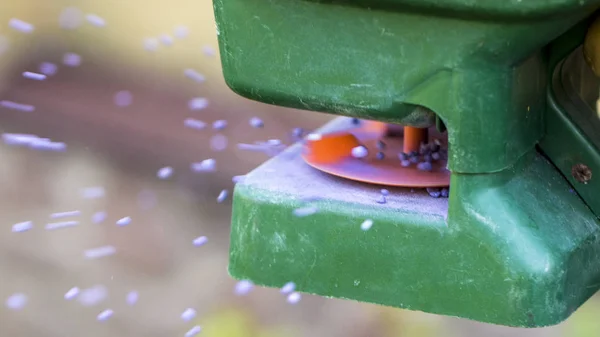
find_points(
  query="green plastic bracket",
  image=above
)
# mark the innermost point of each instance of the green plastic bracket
(512, 245)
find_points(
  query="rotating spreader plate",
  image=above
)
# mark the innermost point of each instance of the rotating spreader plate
(383, 165)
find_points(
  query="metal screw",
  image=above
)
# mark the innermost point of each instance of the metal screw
(581, 173)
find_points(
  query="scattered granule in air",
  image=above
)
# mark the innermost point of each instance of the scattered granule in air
(198, 103)
(124, 221)
(288, 288)
(70, 18)
(238, 179)
(123, 98)
(193, 123)
(188, 314)
(71, 60)
(200, 241)
(22, 226)
(243, 287)
(207, 165)
(61, 224)
(16, 301)
(98, 217)
(132, 297)
(17, 106)
(194, 75)
(95, 20)
(47, 145)
(219, 142)
(104, 315)
(294, 298)
(21, 26)
(165, 172)
(366, 225)
(220, 124)
(92, 296)
(96, 253)
(67, 214)
(34, 76)
(48, 68)
(93, 192)
(193, 331)
(256, 122)
(72, 293)
(222, 196)
(305, 211)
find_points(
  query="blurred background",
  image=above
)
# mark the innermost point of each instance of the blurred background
(119, 102)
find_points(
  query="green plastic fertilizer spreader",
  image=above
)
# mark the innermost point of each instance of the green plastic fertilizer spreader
(477, 118)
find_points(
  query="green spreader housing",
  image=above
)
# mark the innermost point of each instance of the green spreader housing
(518, 241)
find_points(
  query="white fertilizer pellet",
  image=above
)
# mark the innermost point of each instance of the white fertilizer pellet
(67, 214)
(305, 211)
(61, 225)
(294, 298)
(207, 165)
(193, 331)
(193, 123)
(243, 287)
(72, 60)
(188, 314)
(360, 152)
(48, 68)
(288, 288)
(200, 241)
(22, 226)
(99, 252)
(93, 192)
(17, 106)
(132, 297)
(198, 103)
(21, 26)
(366, 225)
(124, 221)
(218, 142)
(16, 301)
(165, 172)
(34, 76)
(99, 217)
(104, 315)
(222, 196)
(95, 20)
(194, 75)
(72, 293)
